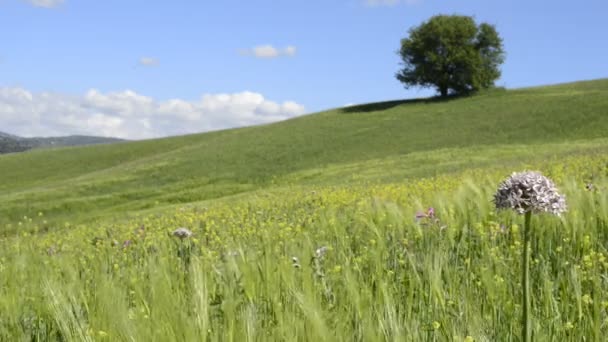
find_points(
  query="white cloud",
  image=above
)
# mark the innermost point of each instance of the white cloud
(45, 3)
(378, 3)
(148, 61)
(269, 51)
(130, 115)
(290, 51)
(265, 51)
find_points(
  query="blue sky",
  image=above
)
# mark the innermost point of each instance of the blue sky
(140, 69)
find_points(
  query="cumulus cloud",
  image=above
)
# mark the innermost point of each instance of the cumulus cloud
(148, 61)
(269, 51)
(45, 3)
(377, 3)
(130, 115)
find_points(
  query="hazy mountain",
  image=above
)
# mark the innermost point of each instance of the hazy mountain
(6, 135)
(12, 143)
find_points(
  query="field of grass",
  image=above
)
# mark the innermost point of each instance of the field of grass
(306, 230)
(251, 270)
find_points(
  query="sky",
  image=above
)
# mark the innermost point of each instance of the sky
(141, 69)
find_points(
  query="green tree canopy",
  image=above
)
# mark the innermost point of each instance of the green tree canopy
(452, 54)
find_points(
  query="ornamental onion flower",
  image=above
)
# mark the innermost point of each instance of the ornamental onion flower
(528, 192)
(182, 233)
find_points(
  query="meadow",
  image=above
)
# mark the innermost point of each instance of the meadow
(386, 237)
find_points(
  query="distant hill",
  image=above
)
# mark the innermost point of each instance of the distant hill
(11, 143)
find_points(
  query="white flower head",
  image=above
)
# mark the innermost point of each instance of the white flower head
(320, 252)
(182, 233)
(529, 191)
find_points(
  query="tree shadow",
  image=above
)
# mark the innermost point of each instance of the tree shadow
(378, 106)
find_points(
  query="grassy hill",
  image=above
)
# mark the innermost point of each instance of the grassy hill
(374, 142)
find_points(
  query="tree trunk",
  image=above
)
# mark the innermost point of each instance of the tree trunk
(443, 90)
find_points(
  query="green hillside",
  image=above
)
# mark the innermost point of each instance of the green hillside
(374, 142)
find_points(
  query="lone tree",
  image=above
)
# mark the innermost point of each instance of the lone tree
(452, 54)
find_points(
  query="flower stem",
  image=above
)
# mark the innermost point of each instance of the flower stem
(525, 282)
